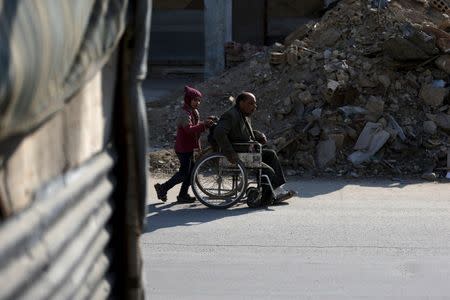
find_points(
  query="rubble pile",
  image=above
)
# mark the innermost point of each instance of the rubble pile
(364, 92)
(237, 53)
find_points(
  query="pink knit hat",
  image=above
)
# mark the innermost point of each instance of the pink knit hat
(190, 94)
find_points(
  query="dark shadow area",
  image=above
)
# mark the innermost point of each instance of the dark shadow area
(309, 188)
(163, 215)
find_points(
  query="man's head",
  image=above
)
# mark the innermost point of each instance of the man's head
(246, 102)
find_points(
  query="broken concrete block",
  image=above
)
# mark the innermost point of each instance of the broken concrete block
(433, 96)
(443, 63)
(377, 141)
(375, 107)
(398, 129)
(366, 135)
(349, 111)
(326, 152)
(429, 127)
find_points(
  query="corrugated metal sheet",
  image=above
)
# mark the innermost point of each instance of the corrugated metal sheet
(56, 248)
(48, 50)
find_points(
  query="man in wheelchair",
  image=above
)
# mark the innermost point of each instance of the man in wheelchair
(234, 127)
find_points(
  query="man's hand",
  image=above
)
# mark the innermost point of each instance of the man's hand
(261, 138)
(233, 158)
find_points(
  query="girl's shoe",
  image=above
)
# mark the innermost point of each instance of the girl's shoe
(160, 193)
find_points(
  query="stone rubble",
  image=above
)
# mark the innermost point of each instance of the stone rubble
(363, 92)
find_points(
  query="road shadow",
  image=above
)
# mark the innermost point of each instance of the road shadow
(165, 215)
(310, 188)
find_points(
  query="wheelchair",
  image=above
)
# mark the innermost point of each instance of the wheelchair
(219, 184)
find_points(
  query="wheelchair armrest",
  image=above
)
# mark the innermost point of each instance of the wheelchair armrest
(258, 146)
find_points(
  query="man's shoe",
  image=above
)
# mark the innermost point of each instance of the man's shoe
(284, 196)
(185, 199)
(160, 193)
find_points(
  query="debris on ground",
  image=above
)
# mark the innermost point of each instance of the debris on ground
(362, 92)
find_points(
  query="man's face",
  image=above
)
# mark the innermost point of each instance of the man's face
(248, 105)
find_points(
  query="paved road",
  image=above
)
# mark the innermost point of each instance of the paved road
(337, 240)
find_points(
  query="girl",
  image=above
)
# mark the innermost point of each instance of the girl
(189, 128)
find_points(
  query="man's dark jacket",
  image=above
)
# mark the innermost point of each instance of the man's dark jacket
(234, 127)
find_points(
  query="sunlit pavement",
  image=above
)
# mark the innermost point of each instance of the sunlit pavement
(336, 240)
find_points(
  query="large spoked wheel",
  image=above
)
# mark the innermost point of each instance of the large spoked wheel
(216, 183)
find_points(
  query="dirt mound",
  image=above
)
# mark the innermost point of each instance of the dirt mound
(363, 92)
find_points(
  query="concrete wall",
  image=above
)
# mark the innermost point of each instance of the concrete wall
(289, 8)
(177, 37)
(249, 21)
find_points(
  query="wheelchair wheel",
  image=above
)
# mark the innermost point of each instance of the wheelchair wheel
(253, 197)
(216, 183)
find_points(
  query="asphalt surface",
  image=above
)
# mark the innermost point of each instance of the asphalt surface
(336, 240)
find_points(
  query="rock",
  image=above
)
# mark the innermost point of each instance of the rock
(443, 63)
(433, 96)
(430, 176)
(429, 127)
(403, 50)
(384, 80)
(305, 159)
(338, 138)
(443, 44)
(366, 82)
(351, 132)
(443, 121)
(299, 34)
(332, 87)
(375, 107)
(315, 130)
(285, 106)
(329, 37)
(349, 111)
(317, 113)
(448, 159)
(305, 97)
(420, 39)
(292, 56)
(326, 152)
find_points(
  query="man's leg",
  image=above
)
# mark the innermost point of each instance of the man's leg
(276, 175)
